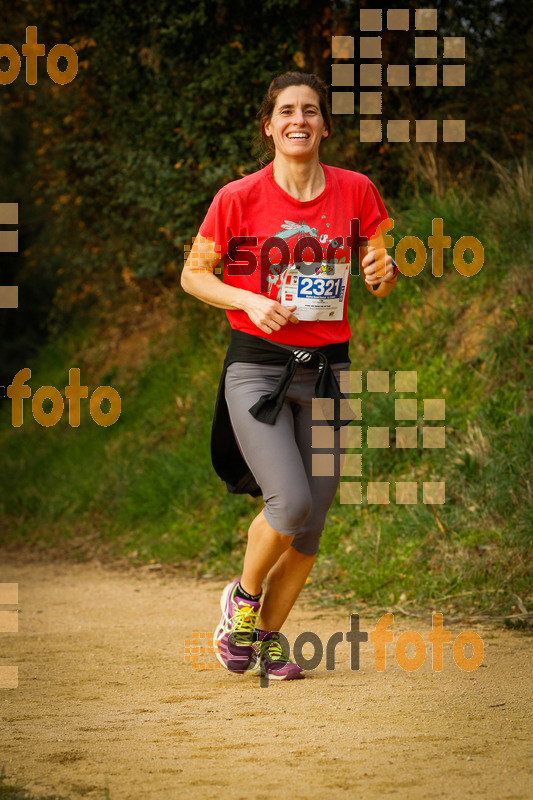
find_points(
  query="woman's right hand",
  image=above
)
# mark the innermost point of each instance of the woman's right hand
(268, 314)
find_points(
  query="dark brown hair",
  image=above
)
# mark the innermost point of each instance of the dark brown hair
(264, 142)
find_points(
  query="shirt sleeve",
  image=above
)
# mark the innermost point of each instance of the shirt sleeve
(222, 221)
(373, 211)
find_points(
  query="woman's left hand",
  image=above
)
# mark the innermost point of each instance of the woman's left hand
(374, 270)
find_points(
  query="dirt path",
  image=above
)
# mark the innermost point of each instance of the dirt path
(105, 701)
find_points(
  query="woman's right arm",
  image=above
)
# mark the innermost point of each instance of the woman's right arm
(198, 279)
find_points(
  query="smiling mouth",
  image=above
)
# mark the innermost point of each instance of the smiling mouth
(298, 136)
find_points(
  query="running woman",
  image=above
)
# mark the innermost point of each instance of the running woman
(286, 306)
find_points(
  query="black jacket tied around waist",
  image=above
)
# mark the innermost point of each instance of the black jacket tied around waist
(226, 457)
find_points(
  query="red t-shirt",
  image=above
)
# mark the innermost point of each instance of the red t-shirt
(257, 207)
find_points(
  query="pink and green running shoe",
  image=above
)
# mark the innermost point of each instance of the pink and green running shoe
(235, 630)
(271, 660)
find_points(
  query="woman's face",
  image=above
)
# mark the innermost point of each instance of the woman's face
(297, 126)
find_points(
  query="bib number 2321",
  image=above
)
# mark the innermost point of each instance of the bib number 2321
(319, 296)
(319, 287)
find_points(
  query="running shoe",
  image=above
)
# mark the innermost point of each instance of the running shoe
(271, 660)
(234, 634)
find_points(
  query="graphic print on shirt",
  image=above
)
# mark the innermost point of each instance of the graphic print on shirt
(317, 289)
(277, 271)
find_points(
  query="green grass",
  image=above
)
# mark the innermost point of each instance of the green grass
(144, 488)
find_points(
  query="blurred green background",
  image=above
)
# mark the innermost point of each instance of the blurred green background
(113, 174)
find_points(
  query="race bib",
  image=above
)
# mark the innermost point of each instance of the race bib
(319, 296)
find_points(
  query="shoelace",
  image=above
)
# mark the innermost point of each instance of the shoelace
(272, 649)
(244, 624)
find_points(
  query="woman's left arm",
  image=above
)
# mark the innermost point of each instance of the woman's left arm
(379, 280)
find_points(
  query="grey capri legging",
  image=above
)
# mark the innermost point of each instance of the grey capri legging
(280, 455)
